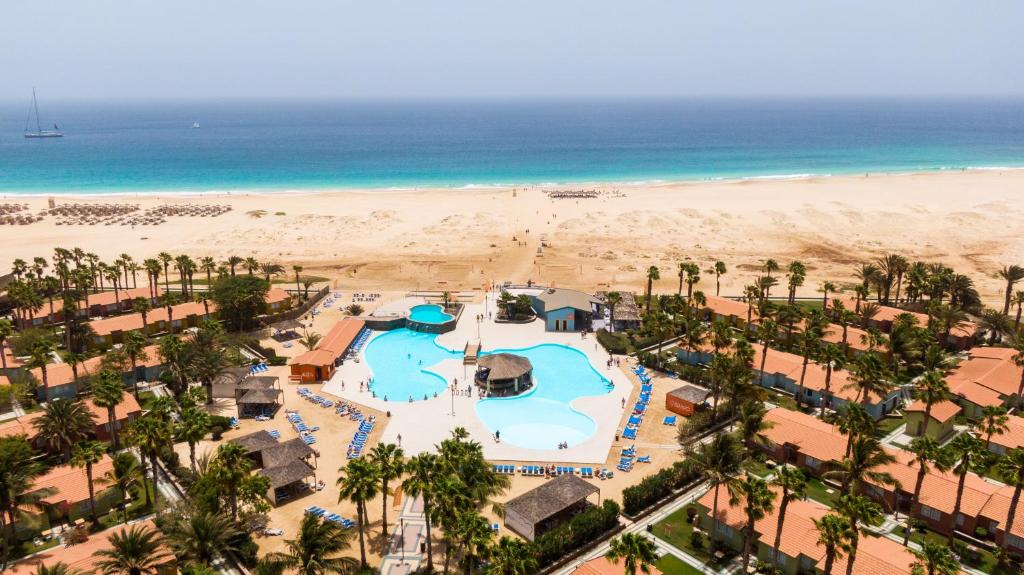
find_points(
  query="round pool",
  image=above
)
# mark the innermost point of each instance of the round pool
(429, 313)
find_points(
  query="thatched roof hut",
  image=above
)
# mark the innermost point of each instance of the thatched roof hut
(542, 508)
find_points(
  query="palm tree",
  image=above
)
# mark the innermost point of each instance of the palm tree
(151, 435)
(108, 393)
(860, 512)
(310, 340)
(358, 483)
(1018, 360)
(166, 259)
(298, 283)
(58, 568)
(810, 346)
(422, 470)
(936, 559)
(135, 550)
(720, 461)
(475, 536)
(125, 475)
(512, 557)
(793, 485)
(770, 266)
(87, 454)
(866, 457)
(612, 299)
(232, 466)
(198, 537)
(18, 471)
(389, 460)
(993, 422)
(869, 379)
(826, 288)
(926, 450)
(134, 346)
(930, 390)
(719, 270)
(834, 535)
(63, 424)
(652, 274)
(968, 456)
(767, 332)
(40, 355)
(637, 552)
(192, 428)
(6, 331)
(832, 357)
(1011, 468)
(271, 269)
(759, 500)
(1018, 300)
(1011, 275)
(315, 550)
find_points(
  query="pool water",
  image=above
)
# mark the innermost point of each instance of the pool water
(428, 313)
(541, 418)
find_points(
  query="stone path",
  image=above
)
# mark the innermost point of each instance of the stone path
(410, 530)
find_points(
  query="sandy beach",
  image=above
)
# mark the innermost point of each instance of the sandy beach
(462, 238)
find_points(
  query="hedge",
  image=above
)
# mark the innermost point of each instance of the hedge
(585, 527)
(654, 488)
(617, 343)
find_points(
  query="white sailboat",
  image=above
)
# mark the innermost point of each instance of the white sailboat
(40, 132)
(195, 125)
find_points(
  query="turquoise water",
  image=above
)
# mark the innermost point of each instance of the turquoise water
(428, 313)
(400, 362)
(125, 147)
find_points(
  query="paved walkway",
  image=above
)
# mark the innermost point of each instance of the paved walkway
(410, 530)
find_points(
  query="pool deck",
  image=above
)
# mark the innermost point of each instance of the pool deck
(423, 424)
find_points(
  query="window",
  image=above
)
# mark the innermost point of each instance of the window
(931, 513)
(723, 529)
(1014, 541)
(812, 462)
(960, 518)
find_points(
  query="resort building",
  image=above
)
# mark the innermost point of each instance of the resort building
(686, 399)
(732, 312)
(287, 464)
(110, 331)
(278, 300)
(799, 551)
(124, 413)
(961, 337)
(939, 422)
(320, 364)
(83, 557)
(626, 314)
(504, 374)
(64, 491)
(62, 382)
(99, 304)
(1012, 438)
(543, 508)
(565, 309)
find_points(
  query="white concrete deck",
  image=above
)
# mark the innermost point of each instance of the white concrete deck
(423, 424)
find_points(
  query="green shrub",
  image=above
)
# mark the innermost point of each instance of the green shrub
(653, 488)
(697, 539)
(617, 343)
(582, 529)
(277, 360)
(220, 421)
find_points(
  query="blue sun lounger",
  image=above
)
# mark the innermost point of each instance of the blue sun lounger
(644, 459)
(629, 433)
(669, 420)
(587, 472)
(635, 420)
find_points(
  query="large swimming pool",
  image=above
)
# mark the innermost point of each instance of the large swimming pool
(428, 313)
(400, 362)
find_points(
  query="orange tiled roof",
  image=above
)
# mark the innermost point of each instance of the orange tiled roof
(133, 321)
(941, 412)
(877, 556)
(83, 556)
(604, 566)
(990, 368)
(998, 507)
(68, 485)
(333, 344)
(277, 295)
(62, 374)
(885, 313)
(103, 298)
(1014, 435)
(812, 436)
(937, 488)
(729, 307)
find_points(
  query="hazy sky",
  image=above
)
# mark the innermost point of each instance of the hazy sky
(514, 48)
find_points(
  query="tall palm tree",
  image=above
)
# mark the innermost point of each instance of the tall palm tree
(834, 535)
(870, 378)
(58, 568)
(926, 451)
(134, 550)
(166, 259)
(151, 434)
(125, 475)
(1011, 469)
(855, 421)
(422, 472)
(1018, 360)
(475, 535)
(6, 331)
(63, 424)
(833, 358)
(652, 274)
(87, 454)
(271, 269)
(298, 283)
(931, 389)
(993, 422)
(198, 537)
(767, 332)
(936, 559)
(826, 288)
(720, 461)
(968, 456)
(863, 463)
(108, 393)
(231, 467)
(40, 355)
(389, 460)
(792, 484)
(511, 556)
(192, 428)
(719, 270)
(315, 550)
(134, 346)
(860, 512)
(358, 483)
(612, 299)
(1011, 275)
(18, 469)
(637, 552)
(758, 500)
(142, 306)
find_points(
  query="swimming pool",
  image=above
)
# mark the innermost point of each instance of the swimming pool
(401, 360)
(428, 313)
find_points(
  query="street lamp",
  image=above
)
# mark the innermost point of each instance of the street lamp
(401, 538)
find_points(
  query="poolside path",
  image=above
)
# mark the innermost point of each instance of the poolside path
(410, 530)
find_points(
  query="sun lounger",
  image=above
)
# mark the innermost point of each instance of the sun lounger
(629, 433)
(586, 472)
(635, 420)
(275, 433)
(644, 459)
(495, 527)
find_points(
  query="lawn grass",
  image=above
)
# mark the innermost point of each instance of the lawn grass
(782, 400)
(677, 531)
(672, 565)
(818, 491)
(889, 424)
(146, 399)
(758, 468)
(988, 563)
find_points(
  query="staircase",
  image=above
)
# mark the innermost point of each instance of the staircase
(470, 352)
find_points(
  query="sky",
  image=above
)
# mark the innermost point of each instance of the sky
(416, 49)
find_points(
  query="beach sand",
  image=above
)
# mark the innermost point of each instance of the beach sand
(460, 239)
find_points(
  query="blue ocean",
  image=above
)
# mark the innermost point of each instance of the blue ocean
(126, 147)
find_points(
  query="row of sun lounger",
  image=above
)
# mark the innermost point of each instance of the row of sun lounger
(360, 341)
(258, 368)
(327, 516)
(355, 448)
(308, 395)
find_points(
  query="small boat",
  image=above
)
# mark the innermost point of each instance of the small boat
(195, 125)
(40, 132)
